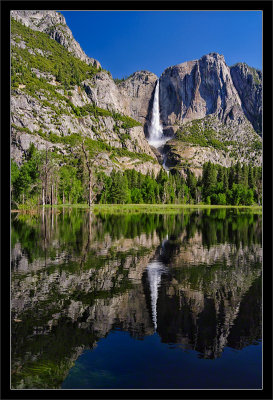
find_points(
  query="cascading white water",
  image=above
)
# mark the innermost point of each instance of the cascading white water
(156, 129)
(155, 269)
(156, 137)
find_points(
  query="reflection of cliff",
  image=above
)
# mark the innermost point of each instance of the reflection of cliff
(92, 297)
(203, 320)
(193, 253)
(95, 279)
(200, 302)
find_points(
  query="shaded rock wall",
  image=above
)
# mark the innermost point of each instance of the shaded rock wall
(248, 83)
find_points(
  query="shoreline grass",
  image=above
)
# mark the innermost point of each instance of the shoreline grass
(141, 208)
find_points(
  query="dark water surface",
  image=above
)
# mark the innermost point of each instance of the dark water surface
(137, 300)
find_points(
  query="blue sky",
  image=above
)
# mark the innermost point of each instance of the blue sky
(128, 41)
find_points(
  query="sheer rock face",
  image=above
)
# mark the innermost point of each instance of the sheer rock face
(137, 92)
(248, 83)
(102, 90)
(194, 89)
(54, 24)
(203, 91)
(30, 113)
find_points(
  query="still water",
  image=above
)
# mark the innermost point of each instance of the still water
(136, 300)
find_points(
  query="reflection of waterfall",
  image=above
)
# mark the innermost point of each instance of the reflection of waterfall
(155, 270)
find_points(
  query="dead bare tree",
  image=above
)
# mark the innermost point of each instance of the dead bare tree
(46, 167)
(49, 177)
(92, 182)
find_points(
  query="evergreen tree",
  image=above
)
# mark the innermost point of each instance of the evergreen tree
(225, 180)
(133, 182)
(245, 175)
(191, 183)
(250, 178)
(231, 177)
(70, 186)
(220, 174)
(42, 180)
(140, 180)
(119, 188)
(14, 174)
(136, 196)
(238, 173)
(209, 179)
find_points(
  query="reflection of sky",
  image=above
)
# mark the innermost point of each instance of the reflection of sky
(119, 361)
(198, 311)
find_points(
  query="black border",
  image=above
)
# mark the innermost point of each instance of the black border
(266, 7)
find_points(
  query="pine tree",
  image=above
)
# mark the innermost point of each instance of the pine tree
(133, 179)
(250, 178)
(220, 174)
(231, 177)
(119, 188)
(244, 179)
(225, 180)
(238, 173)
(209, 179)
(191, 183)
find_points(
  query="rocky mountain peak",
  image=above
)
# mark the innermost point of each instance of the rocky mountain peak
(246, 70)
(205, 106)
(38, 19)
(214, 56)
(194, 89)
(137, 91)
(141, 75)
(248, 83)
(54, 24)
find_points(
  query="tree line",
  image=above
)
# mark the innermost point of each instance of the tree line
(43, 179)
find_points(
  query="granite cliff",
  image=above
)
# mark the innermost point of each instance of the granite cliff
(54, 24)
(201, 107)
(248, 83)
(212, 112)
(59, 94)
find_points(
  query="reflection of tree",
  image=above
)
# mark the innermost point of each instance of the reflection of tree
(86, 245)
(92, 283)
(57, 349)
(68, 229)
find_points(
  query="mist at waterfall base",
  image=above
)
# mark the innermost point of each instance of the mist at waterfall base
(156, 137)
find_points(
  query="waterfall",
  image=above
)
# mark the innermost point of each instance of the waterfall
(156, 129)
(156, 137)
